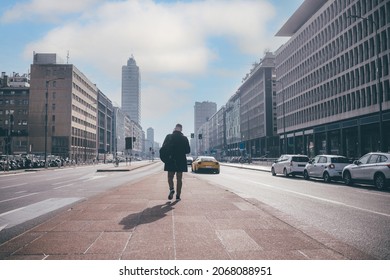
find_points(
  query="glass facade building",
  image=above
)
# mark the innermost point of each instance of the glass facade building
(333, 94)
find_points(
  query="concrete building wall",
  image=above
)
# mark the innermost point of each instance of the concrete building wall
(71, 111)
(328, 71)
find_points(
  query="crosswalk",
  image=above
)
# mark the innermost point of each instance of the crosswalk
(32, 211)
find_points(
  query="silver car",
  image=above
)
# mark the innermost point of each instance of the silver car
(289, 165)
(327, 167)
(372, 169)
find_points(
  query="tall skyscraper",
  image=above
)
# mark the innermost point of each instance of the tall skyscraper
(202, 112)
(131, 94)
(149, 138)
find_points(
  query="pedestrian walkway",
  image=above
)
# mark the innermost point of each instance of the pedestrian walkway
(136, 221)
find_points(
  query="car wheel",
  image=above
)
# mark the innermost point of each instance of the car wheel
(327, 178)
(379, 181)
(285, 172)
(306, 175)
(273, 171)
(347, 178)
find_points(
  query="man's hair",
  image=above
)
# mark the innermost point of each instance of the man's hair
(178, 127)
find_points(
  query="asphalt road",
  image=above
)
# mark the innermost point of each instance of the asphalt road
(359, 216)
(28, 198)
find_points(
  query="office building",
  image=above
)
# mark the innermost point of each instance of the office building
(14, 99)
(333, 78)
(105, 126)
(202, 113)
(62, 110)
(131, 92)
(257, 119)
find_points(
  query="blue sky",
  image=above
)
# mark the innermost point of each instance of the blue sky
(187, 50)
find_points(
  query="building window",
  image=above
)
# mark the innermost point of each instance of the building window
(358, 100)
(387, 90)
(363, 95)
(368, 94)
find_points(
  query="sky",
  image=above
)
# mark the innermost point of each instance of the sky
(188, 51)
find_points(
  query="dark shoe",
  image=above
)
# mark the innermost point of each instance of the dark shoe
(171, 193)
(178, 197)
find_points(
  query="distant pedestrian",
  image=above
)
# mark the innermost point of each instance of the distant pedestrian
(177, 147)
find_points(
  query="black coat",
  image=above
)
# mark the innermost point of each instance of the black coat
(180, 148)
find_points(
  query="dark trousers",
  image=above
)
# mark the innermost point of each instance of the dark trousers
(179, 181)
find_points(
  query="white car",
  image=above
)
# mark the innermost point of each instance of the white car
(289, 165)
(327, 167)
(372, 169)
(190, 160)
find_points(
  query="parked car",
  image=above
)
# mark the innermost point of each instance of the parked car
(327, 167)
(190, 160)
(372, 169)
(205, 163)
(289, 165)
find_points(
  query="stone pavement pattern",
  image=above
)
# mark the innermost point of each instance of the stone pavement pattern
(136, 221)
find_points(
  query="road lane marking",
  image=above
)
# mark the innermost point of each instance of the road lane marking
(12, 211)
(95, 177)
(321, 199)
(12, 186)
(5, 200)
(23, 214)
(64, 186)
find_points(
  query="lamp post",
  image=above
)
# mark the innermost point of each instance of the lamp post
(46, 117)
(378, 74)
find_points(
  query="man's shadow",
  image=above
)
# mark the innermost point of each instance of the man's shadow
(148, 215)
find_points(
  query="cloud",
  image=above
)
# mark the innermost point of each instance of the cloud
(163, 37)
(46, 10)
(163, 95)
(176, 39)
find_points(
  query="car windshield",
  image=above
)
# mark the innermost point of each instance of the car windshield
(339, 160)
(300, 159)
(207, 159)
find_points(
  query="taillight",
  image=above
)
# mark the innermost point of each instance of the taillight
(331, 166)
(388, 165)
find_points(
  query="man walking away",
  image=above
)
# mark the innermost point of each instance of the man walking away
(179, 147)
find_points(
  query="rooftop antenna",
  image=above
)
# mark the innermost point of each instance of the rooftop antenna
(67, 58)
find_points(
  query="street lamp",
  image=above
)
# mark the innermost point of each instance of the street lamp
(378, 74)
(46, 117)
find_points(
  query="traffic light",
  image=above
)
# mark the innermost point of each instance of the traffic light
(129, 143)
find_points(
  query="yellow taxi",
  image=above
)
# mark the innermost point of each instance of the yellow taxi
(205, 164)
